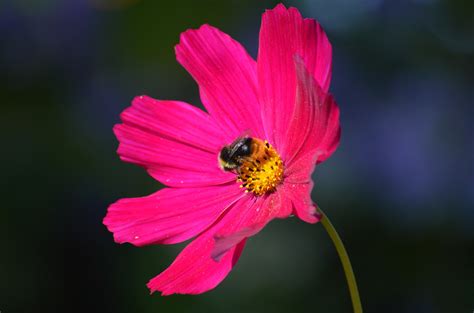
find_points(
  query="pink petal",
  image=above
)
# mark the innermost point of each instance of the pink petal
(170, 215)
(177, 143)
(249, 220)
(299, 171)
(194, 271)
(300, 195)
(227, 79)
(314, 126)
(283, 34)
(286, 207)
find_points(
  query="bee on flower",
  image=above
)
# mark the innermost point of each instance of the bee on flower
(247, 160)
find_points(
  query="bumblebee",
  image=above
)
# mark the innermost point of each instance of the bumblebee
(256, 162)
(242, 150)
(232, 156)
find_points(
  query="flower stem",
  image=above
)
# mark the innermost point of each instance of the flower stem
(346, 263)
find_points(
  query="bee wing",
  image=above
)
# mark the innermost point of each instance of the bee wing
(245, 133)
(234, 146)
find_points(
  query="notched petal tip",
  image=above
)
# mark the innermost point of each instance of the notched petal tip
(112, 222)
(184, 36)
(116, 130)
(137, 101)
(151, 288)
(278, 7)
(142, 98)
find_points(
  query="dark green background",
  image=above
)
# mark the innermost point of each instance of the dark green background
(400, 188)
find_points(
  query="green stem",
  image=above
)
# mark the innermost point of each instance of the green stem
(346, 263)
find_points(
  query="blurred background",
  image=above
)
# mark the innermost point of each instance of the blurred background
(400, 188)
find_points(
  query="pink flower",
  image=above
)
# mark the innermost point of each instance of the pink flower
(279, 104)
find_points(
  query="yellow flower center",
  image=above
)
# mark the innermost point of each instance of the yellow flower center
(263, 171)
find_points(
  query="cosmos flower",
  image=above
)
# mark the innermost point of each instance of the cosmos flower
(248, 160)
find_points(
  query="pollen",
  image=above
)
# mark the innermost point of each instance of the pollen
(263, 172)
